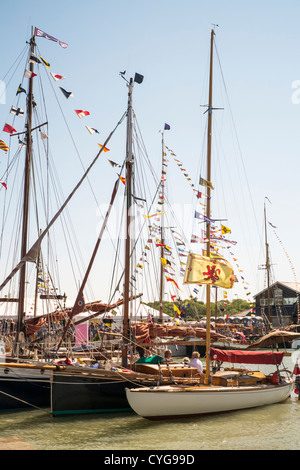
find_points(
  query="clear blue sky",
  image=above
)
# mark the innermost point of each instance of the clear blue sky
(168, 42)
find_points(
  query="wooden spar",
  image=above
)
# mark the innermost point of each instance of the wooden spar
(209, 134)
(162, 235)
(27, 174)
(16, 365)
(128, 183)
(79, 303)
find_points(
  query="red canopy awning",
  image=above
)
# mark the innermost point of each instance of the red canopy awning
(247, 357)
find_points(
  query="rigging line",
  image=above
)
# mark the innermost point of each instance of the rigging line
(19, 58)
(31, 253)
(71, 136)
(133, 249)
(70, 224)
(25, 402)
(235, 131)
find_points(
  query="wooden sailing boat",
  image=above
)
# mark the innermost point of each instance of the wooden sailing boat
(28, 383)
(71, 389)
(84, 390)
(220, 391)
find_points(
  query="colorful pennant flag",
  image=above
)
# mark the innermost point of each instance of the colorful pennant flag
(67, 94)
(8, 128)
(105, 149)
(122, 178)
(81, 113)
(167, 127)
(29, 74)
(225, 229)
(41, 34)
(21, 90)
(57, 76)
(92, 130)
(3, 146)
(114, 164)
(196, 239)
(206, 183)
(169, 279)
(33, 59)
(45, 62)
(203, 217)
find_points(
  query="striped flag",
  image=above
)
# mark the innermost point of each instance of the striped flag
(81, 113)
(44, 61)
(34, 59)
(3, 146)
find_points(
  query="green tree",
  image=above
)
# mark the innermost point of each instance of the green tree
(192, 309)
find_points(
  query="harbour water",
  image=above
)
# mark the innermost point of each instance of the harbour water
(274, 427)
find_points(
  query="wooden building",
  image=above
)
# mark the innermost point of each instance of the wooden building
(283, 298)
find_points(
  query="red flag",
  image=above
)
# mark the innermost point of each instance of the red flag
(81, 113)
(57, 76)
(172, 280)
(4, 184)
(9, 129)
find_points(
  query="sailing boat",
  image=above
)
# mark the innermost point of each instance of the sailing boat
(70, 388)
(222, 390)
(88, 390)
(25, 382)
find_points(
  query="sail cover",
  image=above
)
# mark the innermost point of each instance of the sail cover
(247, 357)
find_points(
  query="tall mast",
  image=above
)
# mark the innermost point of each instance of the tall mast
(162, 233)
(28, 163)
(128, 180)
(209, 134)
(267, 264)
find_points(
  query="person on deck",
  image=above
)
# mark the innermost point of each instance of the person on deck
(168, 357)
(195, 362)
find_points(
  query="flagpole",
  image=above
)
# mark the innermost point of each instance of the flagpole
(208, 210)
(27, 174)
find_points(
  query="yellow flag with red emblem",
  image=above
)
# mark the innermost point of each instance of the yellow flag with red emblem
(205, 270)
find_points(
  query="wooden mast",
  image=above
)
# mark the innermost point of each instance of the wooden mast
(209, 134)
(267, 264)
(162, 234)
(27, 175)
(129, 163)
